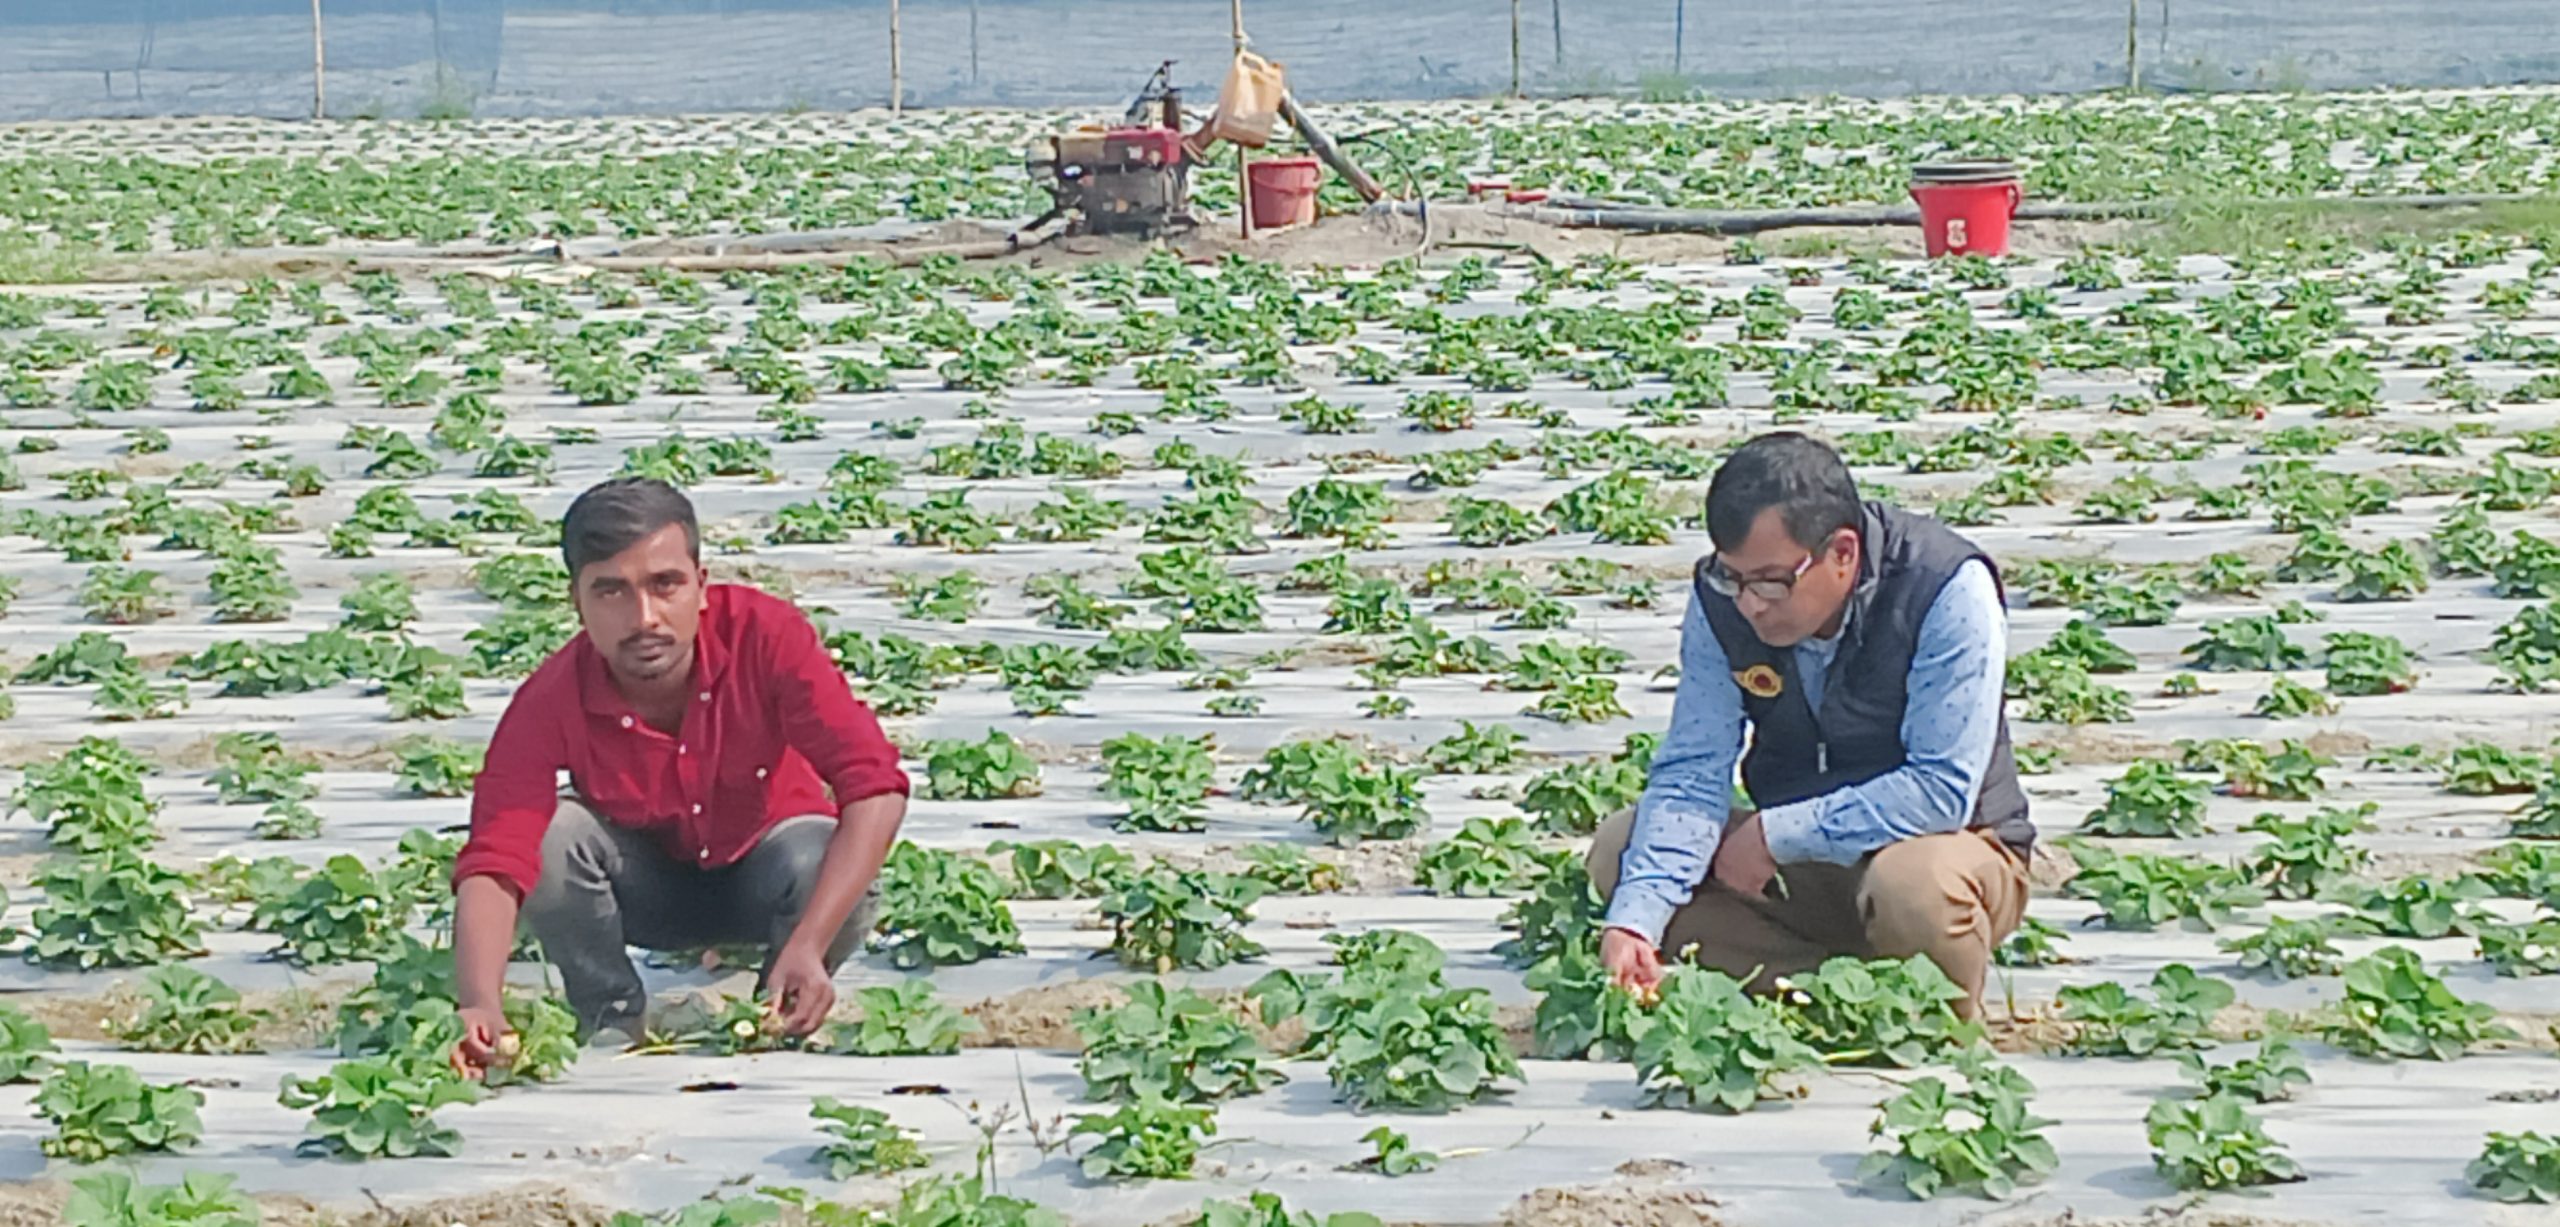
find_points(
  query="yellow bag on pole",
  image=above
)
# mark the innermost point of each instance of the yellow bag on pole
(1249, 101)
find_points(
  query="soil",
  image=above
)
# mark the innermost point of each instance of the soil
(294, 1017)
(1619, 1203)
(1040, 1017)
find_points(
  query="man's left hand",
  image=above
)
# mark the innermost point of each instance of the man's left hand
(1742, 859)
(800, 989)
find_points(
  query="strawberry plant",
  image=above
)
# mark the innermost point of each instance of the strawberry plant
(1287, 869)
(1165, 780)
(1488, 856)
(2034, 943)
(1062, 868)
(2061, 691)
(2215, 1143)
(2292, 773)
(1575, 798)
(123, 596)
(2531, 948)
(185, 1010)
(250, 586)
(116, 1199)
(861, 1141)
(2292, 948)
(99, 1111)
(2287, 699)
(378, 1107)
(2421, 907)
(344, 912)
(1145, 1140)
(982, 770)
(1707, 1043)
(2517, 1167)
(2140, 892)
(2526, 649)
(1164, 918)
(1350, 798)
(2150, 799)
(2479, 769)
(1982, 1139)
(92, 799)
(1898, 1012)
(1171, 1044)
(1474, 750)
(433, 767)
(2253, 644)
(2305, 856)
(938, 909)
(112, 909)
(256, 768)
(902, 1019)
(1393, 1154)
(2274, 1073)
(2395, 1008)
(2114, 1022)
(2360, 663)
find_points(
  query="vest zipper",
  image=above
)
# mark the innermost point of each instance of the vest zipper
(1822, 757)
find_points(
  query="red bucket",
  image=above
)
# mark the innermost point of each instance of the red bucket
(1965, 206)
(1284, 191)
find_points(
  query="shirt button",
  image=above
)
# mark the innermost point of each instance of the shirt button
(706, 696)
(759, 773)
(706, 854)
(679, 747)
(626, 722)
(697, 809)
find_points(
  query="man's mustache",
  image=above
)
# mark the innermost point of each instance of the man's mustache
(644, 640)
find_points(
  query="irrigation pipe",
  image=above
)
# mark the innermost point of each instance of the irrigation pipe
(1610, 216)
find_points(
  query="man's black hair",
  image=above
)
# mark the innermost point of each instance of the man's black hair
(1797, 474)
(615, 515)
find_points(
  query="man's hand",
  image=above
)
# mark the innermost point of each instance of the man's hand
(1632, 962)
(800, 990)
(1742, 857)
(483, 1027)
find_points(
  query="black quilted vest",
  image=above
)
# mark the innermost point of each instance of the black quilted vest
(1797, 753)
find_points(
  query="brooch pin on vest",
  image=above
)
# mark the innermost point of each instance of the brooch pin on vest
(1760, 681)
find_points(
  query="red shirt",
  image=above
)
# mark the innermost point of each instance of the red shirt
(773, 728)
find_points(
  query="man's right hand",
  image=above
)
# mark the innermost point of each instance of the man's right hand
(477, 1050)
(1632, 962)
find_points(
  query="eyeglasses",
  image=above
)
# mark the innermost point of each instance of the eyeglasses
(1725, 583)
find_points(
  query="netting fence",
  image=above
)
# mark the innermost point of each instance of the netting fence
(82, 58)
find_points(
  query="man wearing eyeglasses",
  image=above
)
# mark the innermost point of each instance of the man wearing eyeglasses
(1864, 647)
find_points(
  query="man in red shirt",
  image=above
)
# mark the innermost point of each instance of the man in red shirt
(724, 786)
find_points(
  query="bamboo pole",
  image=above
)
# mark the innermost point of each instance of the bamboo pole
(1244, 177)
(973, 42)
(319, 66)
(1679, 35)
(2133, 46)
(1515, 48)
(1555, 15)
(897, 70)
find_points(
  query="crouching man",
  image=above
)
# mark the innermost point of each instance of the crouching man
(724, 785)
(1864, 647)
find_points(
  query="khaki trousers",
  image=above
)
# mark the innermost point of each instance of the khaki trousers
(1952, 897)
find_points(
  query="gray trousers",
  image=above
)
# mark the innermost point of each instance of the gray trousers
(606, 888)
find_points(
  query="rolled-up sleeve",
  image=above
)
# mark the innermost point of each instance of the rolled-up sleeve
(1689, 792)
(518, 788)
(821, 719)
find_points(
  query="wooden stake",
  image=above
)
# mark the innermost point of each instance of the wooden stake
(1679, 34)
(973, 42)
(1244, 177)
(1515, 48)
(1555, 15)
(897, 70)
(319, 66)
(2133, 46)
